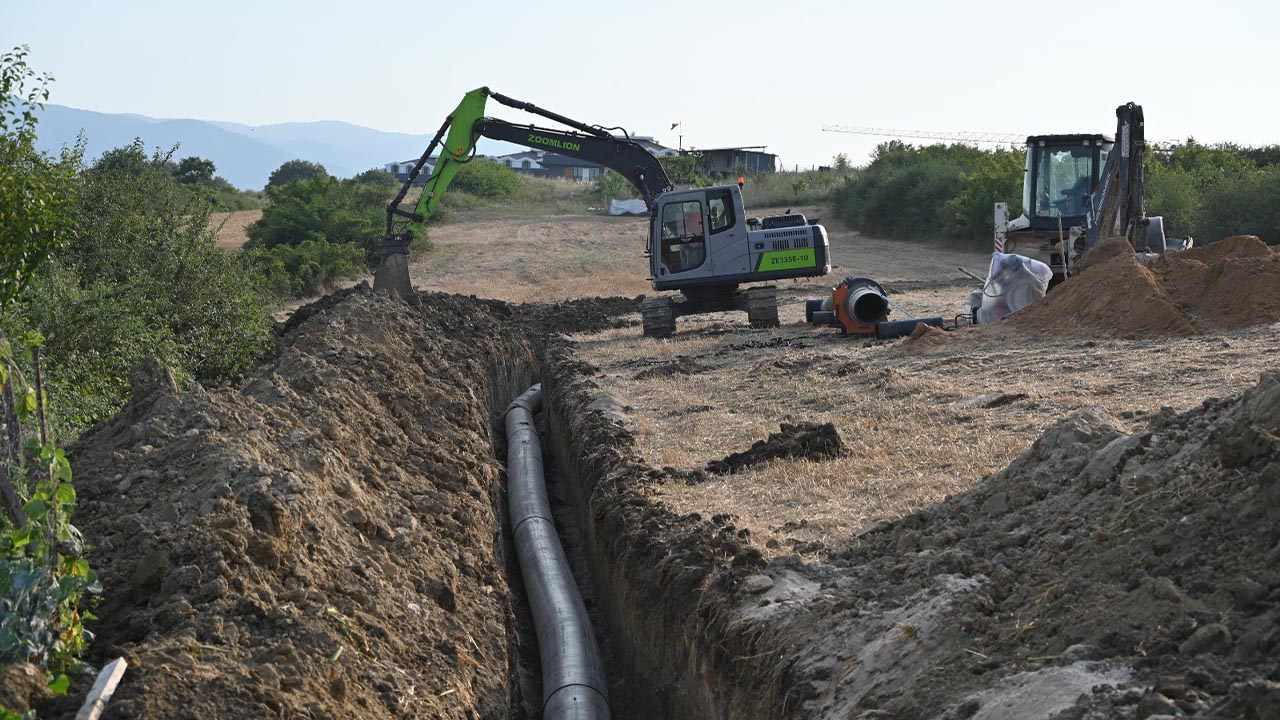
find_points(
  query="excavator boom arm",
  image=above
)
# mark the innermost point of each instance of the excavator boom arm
(467, 124)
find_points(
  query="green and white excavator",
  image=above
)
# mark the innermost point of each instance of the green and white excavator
(701, 243)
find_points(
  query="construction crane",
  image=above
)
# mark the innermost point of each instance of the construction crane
(977, 138)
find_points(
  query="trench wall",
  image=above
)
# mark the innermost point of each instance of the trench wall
(667, 582)
(323, 539)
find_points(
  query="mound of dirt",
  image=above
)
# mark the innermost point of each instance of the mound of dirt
(320, 541)
(800, 440)
(1236, 246)
(1152, 555)
(1105, 251)
(1226, 285)
(1229, 293)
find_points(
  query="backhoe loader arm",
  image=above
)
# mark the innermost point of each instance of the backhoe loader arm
(1118, 205)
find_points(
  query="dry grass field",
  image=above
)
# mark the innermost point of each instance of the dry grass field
(922, 419)
(233, 227)
(922, 422)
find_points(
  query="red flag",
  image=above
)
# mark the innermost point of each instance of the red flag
(675, 125)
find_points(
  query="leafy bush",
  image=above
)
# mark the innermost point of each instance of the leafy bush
(932, 192)
(144, 277)
(993, 177)
(43, 573)
(294, 170)
(317, 231)
(487, 179)
(612, 186)
(1211, 192)
(1244, 204)
(378, 178)
(308, 268)
(683, 170)
(35, 191)
(322, 210)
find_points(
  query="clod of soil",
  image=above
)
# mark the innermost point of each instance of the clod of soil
(679, 366)
(924, 337)
(800, 440)
(320, 541)
(1226, 285)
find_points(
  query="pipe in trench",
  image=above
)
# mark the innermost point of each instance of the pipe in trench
(573, 680)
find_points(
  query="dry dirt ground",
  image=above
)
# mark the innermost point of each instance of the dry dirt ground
(233, 227)
(1016, 520)
(922, 422)
(567, 256)
(910, 576)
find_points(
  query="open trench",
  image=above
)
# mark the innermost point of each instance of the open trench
(657, 587)
(327, 538)
(644, 679)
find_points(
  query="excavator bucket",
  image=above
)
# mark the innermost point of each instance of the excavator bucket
(393, 265)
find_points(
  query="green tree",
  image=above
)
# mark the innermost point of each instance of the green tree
(322, 209)
(487, 179)
(144, 277)
(35, 190)
(378, 178)
(683, 170)
(841, 162)
(931, 192)
(993, 177)
(195, 170)
(43, 573)
(294, 170)
(316, 231)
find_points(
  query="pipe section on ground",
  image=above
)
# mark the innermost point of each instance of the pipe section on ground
(573, 681)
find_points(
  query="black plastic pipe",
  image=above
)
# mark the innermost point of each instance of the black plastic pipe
(573, 681)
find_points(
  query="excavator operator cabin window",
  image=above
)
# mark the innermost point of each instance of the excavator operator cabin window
(720, 203)
(684, 245)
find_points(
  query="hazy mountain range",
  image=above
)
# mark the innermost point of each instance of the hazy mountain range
(244, 154)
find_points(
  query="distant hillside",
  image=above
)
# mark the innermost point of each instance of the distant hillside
(244, 154)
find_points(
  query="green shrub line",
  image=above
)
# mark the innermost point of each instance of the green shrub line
(45, 580)
(947, 192)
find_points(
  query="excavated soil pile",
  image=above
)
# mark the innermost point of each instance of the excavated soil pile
(1151, 559)
(321, 540)
(799, 440)
(1226, 285)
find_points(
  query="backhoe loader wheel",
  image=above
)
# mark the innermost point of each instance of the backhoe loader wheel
(762, 307)
(659, 317)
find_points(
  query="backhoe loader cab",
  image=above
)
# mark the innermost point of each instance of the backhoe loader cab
(1060, 173)
(1079, 189)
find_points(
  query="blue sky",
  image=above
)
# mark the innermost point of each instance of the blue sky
(742, 72)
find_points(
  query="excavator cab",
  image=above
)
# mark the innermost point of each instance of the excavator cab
(1061, 172)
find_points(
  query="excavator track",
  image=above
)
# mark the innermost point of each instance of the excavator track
(658, 316)
(762, 307)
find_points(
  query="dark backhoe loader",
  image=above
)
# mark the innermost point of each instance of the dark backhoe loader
(700, 241)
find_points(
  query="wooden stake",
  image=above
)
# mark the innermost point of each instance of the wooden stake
(95, 703)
